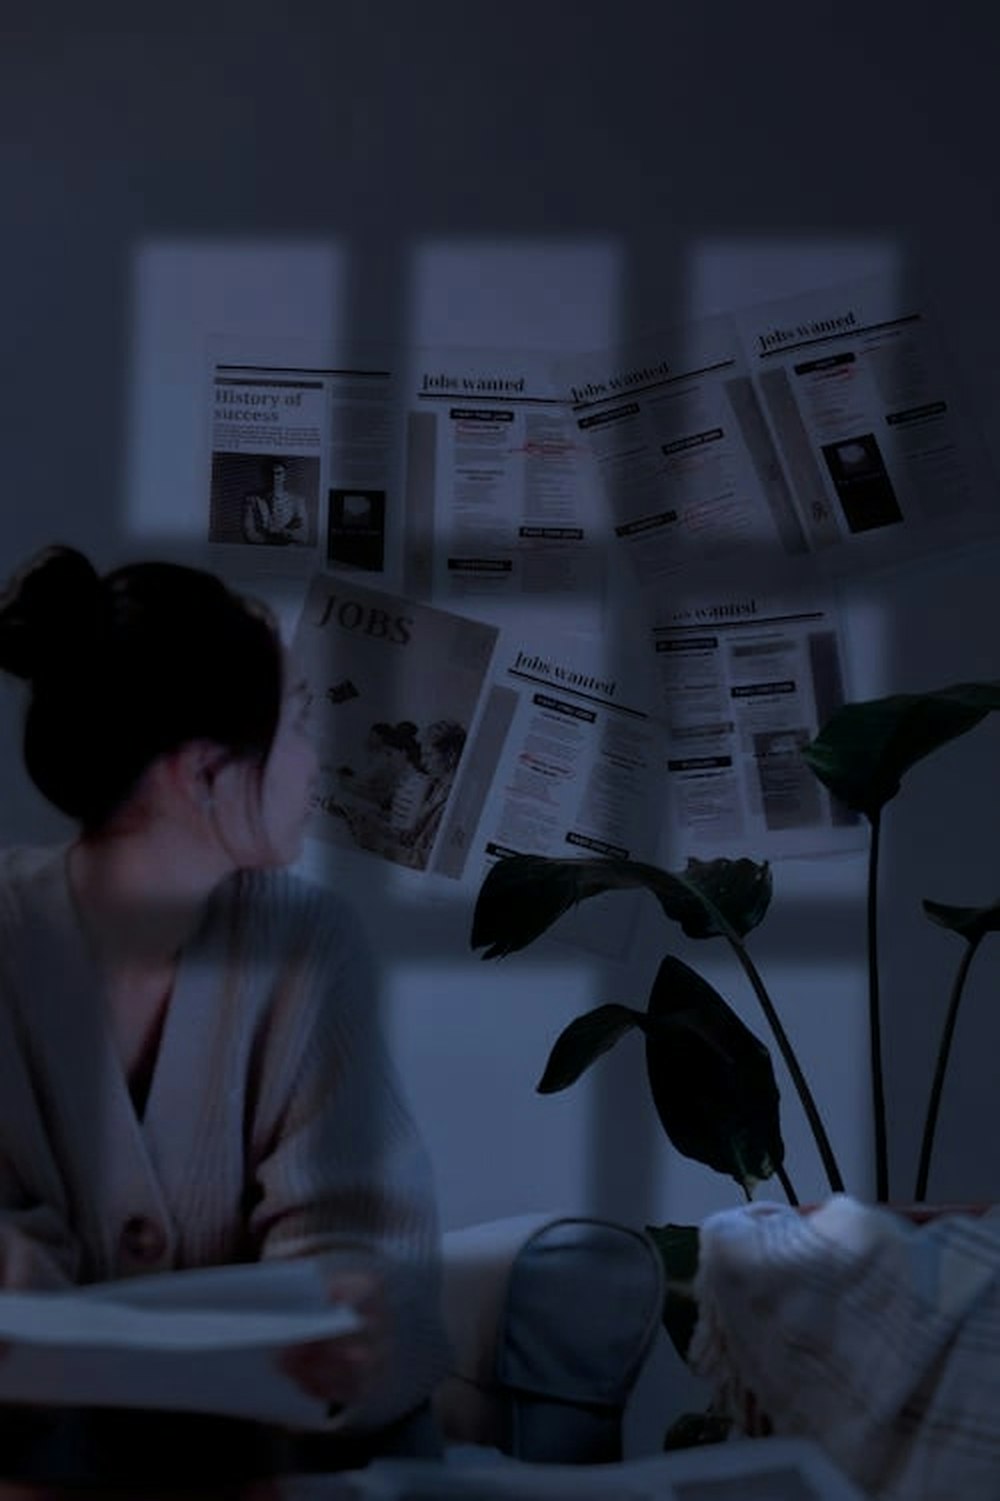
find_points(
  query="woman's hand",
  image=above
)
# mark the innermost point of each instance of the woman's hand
(346, 1368)
(27, 1265)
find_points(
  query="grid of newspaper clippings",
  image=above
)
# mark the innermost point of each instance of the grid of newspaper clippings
(589, 604)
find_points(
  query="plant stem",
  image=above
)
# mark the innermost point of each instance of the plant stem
(874, 1020)
(944, 1048)
(792, 1064)
(786, 1184)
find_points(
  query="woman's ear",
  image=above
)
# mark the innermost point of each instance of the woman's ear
(210, 791)
(192, 770)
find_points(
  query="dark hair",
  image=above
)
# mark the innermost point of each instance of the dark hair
(129, 667)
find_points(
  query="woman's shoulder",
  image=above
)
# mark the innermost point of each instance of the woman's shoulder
(24, 868)
(303, 940)
(302, 910)
(32, 891)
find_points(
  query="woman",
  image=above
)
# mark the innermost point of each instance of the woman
(190, 1066)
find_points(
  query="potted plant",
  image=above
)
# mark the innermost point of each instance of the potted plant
(710, 1076)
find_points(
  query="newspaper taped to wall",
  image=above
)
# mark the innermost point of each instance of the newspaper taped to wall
(579, 771)
(745, 681)
(569, 763)
(502, 502)
(875, 438)
(396, 688)
(306, 457)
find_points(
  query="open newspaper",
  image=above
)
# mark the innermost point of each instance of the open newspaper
(820, 435)
(192, 1341)
(772, 1469)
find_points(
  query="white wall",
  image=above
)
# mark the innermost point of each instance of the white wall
(544, 175)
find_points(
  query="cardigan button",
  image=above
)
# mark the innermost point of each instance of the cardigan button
(143, 1239)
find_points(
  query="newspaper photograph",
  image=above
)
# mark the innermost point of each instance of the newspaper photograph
(745, 682)
(502, 503)
(305, 461)
(879, 449)
(266, 446)
(395, 689)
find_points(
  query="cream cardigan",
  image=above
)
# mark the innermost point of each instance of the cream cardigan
(274, 1123)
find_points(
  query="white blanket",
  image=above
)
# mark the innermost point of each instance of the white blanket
(876, 1338)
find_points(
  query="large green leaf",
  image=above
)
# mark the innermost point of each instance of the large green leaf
(972, 923)
(678, 1247)
(583, 1041)
(711, 1078)
(523, 895)
(740, 890)
(694, 1429)
(863, 749)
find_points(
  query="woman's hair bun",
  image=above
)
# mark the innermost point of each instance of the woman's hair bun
(53, 607)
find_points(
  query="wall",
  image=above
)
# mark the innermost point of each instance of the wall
(538, 175)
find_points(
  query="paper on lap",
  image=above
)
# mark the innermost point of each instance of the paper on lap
(751, 1470)
(197, 1341)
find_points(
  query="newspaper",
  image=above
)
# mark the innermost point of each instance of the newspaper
(396, 689)
(502, 501)
(579, 773)
(878, 447)
(771, 1469)
(305, 458)
(568, 762)
(819, 435)
(746, 680)
(661, 416)
(198, 1341)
